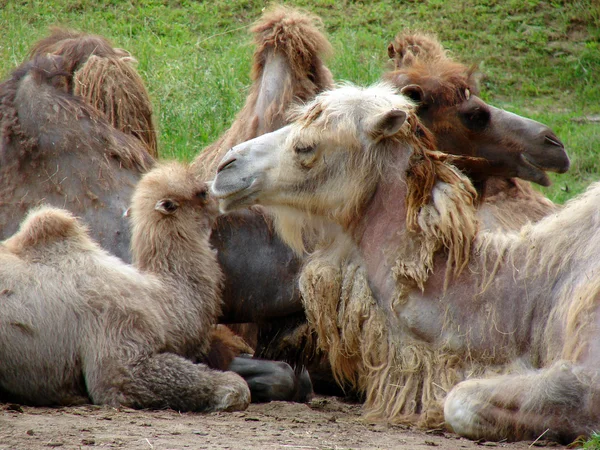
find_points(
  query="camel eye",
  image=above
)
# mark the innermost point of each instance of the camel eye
(304, 150)
(166, 206)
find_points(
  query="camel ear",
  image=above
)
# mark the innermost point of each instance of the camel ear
(166, 206)
(389, 123)
(414, 92)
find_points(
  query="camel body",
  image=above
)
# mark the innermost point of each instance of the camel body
(428, 303)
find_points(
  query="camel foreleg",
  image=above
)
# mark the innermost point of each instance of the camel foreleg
(561, 403)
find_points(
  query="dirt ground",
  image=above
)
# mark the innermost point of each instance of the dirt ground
(325, 423)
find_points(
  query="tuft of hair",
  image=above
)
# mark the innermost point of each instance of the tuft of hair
(46, 226)
(104, 76)
(408, 45)
(297, 36)
(113, 86)
(225, 345)
(296, 33)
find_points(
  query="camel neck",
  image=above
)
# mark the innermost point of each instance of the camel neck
(380, 234)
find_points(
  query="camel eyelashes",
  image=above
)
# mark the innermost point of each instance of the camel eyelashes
(166, 206)
(305, 150)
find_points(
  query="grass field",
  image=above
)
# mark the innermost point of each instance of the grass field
(541, 59)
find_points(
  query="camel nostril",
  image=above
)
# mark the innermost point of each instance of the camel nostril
(552, 139)
(225, 164)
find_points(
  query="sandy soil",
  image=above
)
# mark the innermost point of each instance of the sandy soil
(325, 423)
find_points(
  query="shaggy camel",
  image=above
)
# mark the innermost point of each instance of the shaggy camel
(462, 124)
(81, 325)
(83, 164)
(432, 301)
(104, 77)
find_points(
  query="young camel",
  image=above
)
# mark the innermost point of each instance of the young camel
(79, 325)
(434, 301)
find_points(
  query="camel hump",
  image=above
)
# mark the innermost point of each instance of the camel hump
(408, 45)
(295, 32)
(47, 226)
(113, 86)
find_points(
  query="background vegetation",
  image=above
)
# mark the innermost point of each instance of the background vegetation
(541, 58)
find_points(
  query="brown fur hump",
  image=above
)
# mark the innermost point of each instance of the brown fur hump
(294, 32)
(295, 37)
(105, 78)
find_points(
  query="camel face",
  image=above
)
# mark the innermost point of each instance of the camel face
(523, 147)
(318, 164)
(446, 94)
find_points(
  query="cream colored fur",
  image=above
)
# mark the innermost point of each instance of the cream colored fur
(81, 325)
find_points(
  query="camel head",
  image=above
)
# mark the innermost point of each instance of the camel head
(462, 123)
(328, 162)
(170, 203)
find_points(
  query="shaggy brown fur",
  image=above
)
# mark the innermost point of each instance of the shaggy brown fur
(104, 76)
(58, 150)
(428, 300)
(84, 326)
(287, 68)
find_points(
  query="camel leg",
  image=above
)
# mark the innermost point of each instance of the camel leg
(560, 403)
(272, 380)
(166, 380)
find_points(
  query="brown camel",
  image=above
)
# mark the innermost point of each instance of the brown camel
(80, 325)
(105, 77)
(58, 150)
(446, 92)
(498, 325)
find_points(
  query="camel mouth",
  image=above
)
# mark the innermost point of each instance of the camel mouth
(531, 171)
(237, 197)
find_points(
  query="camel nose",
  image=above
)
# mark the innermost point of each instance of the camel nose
(551, 138)
(227, 163)
(556, 156)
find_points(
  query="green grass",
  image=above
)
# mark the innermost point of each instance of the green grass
(541, 58)
(593, 443)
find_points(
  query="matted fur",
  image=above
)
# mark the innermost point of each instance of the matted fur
(297, 36)
(408, 298)
(105, 77)
(364, 348)
(113, 86)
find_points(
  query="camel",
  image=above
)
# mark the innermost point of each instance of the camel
(80, 325)
(461, 123)
(104, 76)
(491, 331)
(90, 168)
(446, 92)
(59, 150)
